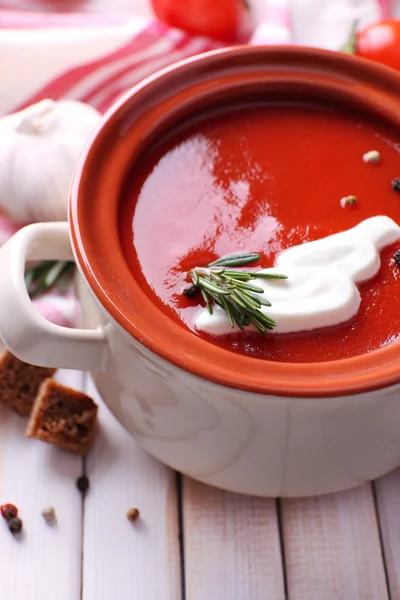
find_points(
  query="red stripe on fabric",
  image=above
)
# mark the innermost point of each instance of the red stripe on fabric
(60, 86)
(117, 91)
(115, 77)
(386, 8)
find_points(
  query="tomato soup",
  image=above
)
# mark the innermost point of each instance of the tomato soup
(262, 178)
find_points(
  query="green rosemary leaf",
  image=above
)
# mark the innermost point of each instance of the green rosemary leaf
(29, 279)
(238, 299)
(250, 302)
(219, 279)
(267, 324)
(238, 318)
(263, 318)
(210, 286)
(217, 299)
(258, 324)
(232, 291)
(235, 307)
(258, 275)
(42, 268)
(238, 313)
(46, 275)
(246, 302)
(253, 298)
(207, 301)
(235, 260)
(240, 321)
(350, 45)
(260, 299)
(54, 273)
(64, 278)
(249, 286)
(228, 311)
(227, 282)
(238, 275)
(195, 277)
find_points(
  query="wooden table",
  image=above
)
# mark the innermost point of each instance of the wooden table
(191, 542)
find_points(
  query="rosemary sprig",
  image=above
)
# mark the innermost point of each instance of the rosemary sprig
(46, 275)
(350, 46)
(233, 290)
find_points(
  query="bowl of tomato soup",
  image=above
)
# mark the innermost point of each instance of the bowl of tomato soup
(236, 225)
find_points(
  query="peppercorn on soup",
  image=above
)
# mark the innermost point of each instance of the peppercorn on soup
(260, 181)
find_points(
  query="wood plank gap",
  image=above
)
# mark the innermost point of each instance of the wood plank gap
(34, 475)
(282, 547)
(179, 495)
(121, 559)
(83, 529)
(379, 525)
(84, 472)
(332, 547)
(232, 548)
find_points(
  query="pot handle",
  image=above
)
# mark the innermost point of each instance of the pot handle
(27, 334)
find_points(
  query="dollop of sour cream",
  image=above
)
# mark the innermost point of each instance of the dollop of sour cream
(321, 288)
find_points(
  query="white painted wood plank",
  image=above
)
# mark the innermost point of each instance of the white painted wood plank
(231, 544)
(332, 547)
(123, 560)
(388, 498)
(43, 562)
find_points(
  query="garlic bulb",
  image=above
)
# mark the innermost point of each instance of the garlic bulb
(39, 148)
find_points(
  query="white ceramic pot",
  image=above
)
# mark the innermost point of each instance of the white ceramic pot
(290, 430)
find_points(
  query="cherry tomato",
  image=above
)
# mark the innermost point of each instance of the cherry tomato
(219, 19)
(380, 42)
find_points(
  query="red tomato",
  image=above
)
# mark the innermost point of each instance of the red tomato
(380, 42)
(219, 19)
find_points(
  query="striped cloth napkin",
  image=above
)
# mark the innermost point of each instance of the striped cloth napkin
(97, 57)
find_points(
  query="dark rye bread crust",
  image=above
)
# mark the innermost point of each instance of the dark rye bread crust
(19, 382)
(63, 416)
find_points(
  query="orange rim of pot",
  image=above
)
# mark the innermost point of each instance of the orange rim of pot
(134, 123)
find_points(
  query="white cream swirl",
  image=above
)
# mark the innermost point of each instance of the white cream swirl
(321, 288)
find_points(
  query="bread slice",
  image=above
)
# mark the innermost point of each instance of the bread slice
(63, 416)
(19, 382)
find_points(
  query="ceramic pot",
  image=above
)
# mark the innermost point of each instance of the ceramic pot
(252, 426)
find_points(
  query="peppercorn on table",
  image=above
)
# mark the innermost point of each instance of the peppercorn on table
(184, 540)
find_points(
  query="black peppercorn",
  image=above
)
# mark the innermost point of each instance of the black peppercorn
(15, 525)
(82, 483)
(396, 184)
(191, 291)
(397, 258)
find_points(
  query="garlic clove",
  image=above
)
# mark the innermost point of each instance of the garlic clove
(32, 117)
(39, 149)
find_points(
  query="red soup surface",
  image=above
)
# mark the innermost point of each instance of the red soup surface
(262, 178)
